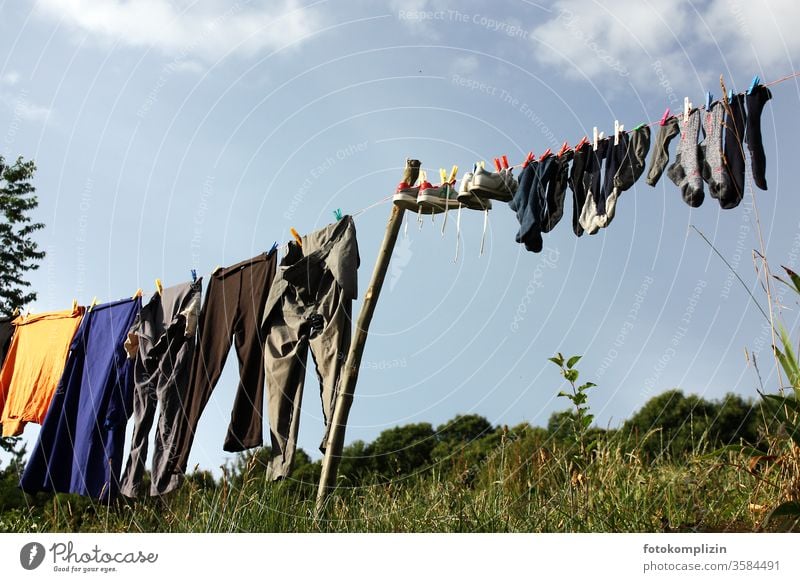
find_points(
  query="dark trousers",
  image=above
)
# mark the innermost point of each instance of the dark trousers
(231, 315)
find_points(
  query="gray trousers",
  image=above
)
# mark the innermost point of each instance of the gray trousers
(319, 279)
(163, 341)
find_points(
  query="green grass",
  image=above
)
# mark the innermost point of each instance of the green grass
(519, 486)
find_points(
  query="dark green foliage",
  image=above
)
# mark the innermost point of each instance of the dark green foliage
(676, 425)
(402, 450)
(11, 497)
(18, 251)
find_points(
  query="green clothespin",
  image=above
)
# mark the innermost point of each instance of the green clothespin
(640, 126)
(338, 213)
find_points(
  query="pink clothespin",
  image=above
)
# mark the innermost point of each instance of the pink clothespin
(664, 117)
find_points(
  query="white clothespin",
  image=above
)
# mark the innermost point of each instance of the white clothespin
(616, 131)
(594, 138)
(687, 106)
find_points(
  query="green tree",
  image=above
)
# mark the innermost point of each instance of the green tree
(402, 450)
(19, 252)
(681, 423)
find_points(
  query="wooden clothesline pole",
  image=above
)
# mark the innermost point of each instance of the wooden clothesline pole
(347, 386)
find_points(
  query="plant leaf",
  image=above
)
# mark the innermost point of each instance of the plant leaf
(572, 361)
(794, 277)
(586, 386)
(566, 394)
(789, 360)
(744, 449)
(783, 401)
(571, 375)
(557, 360)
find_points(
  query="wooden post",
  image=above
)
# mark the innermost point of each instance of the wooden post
(347, 386)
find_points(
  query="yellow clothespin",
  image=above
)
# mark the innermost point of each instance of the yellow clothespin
(74, 304)
(296, 236)
(137, 294)
(453, 174)
(15, 313)
(159, 287)
(93, 303)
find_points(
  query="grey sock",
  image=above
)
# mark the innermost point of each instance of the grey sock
(686, 171)
(714, 172)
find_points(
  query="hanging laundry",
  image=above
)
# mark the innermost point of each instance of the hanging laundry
(660, 156)
(592, 179)
(6, 333)
(526, 205)
(714, 172)
(82, 440)
(734, 153)
(756, 99)
(231, 315)
(162, 342)
(579, 162)
(33, 366)
(309, 305)
(686, 171)
(633, 162)
(553, 207)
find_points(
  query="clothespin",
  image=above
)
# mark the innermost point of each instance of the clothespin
(617, 129)
(159, 287)
(194, 275)
(135, 295)
(594, 138)
(497, 165)
(580, 144)
(480, 164)
(528, 160)
(74, 305)
(753, 84)
(297, 236)
(273, 247)
(504, 159)
(546, 153)
(638, 127)
(443, 175)
(93, 303)
(686, 108)
(564, 148)
(709, 97)
(453, 173)
(730, 95)
(15, 313)
(663, 120)
(337, 214)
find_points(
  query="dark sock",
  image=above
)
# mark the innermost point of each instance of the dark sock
(633, 162)
(579, 161)
(734, 153)
(556, 191)
(758, 160)
(660, 156)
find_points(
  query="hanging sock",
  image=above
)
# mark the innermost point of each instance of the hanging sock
(686, 171)
(756, 99)
(579, 161)
(660, 156)
(734, 153)
(714, 172)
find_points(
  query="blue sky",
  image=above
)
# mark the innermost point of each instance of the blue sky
(179, 135)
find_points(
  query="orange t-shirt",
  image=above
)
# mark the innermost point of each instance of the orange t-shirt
(33, 366)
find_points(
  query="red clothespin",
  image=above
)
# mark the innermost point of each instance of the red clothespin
(564, 148)
(663, 120)
(528, 160)
(504, 159)
(546, 153)
(580, 144)
(497, 165)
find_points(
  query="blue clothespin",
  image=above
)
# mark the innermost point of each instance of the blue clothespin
(194, 275)
(753, 85)
(709, 97)
(338, 213)
(730, 94)
(273, 247)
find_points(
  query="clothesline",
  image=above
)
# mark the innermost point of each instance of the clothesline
(648, 123)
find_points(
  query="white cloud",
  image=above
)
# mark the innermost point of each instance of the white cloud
(207, 30)
(21, 108)
(11, 78)
(691, 41)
